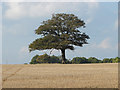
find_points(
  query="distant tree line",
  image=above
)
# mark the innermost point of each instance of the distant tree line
(77, 60)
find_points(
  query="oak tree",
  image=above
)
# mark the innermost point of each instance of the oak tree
(61, 32)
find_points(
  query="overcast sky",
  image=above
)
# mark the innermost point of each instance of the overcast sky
(19, 20)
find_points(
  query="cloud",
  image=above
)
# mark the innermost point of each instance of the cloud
(41, 10)
(18, 10)
(24, 50)
(93, 4)
(105, 44)
(88, 20)
(15, 11)
(99, 50)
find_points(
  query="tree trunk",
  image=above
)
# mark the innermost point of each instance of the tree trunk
(63, 56)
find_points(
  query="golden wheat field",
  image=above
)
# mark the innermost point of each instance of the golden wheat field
(60, 76)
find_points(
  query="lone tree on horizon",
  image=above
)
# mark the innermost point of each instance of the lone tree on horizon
(61, 32)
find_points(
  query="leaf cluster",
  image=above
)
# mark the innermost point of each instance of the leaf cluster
(60, 32)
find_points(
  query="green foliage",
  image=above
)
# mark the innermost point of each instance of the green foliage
(33, 61)
(107, 60)
(115, 60)
(60, 32)
(54, 59)
(78, 60)
(100, 61)
(111, 60)
(93, 60)
(44, 59)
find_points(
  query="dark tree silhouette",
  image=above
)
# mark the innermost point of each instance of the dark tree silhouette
(61, 32)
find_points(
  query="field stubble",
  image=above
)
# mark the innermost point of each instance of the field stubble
(60, 76)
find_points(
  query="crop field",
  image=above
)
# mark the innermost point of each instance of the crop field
(60, 76)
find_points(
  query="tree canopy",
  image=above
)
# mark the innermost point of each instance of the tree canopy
(61, 32)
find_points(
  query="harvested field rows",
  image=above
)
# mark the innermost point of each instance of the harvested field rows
(60, 76)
